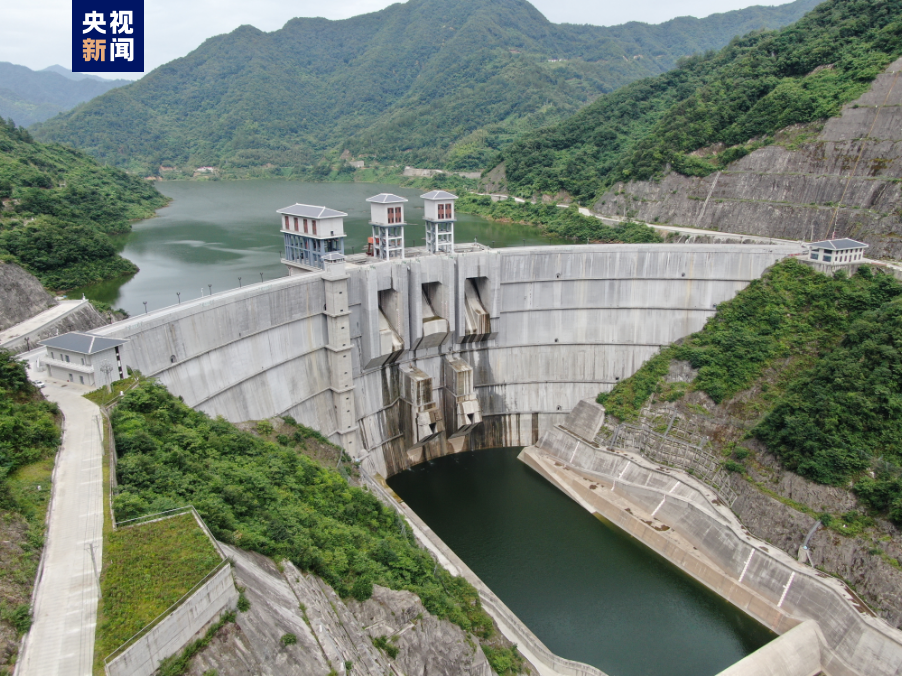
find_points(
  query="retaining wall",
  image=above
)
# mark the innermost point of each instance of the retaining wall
(766, 583)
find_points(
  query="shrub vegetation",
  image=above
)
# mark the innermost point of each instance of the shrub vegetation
(264, 497)
(554, 220)
(836, 410)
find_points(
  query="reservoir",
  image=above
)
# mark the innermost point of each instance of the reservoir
(588, 591)
(214, 232)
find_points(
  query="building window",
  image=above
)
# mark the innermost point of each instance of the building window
(827, 258)
(82, 379)
(448, 211)
(441, 210)
(67, 357)
(813, 256)
(313, 225)
(52, 356)
(286, 222)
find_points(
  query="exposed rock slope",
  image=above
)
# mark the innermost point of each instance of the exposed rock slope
(331, 634)
(791, 191)
(22, 296)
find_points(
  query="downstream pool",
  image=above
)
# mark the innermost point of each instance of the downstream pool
(588, 591)
(217, 231)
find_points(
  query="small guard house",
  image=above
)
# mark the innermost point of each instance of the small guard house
(310, 232)
(439, 215)
(387, 221)
(84, 358)
(837, 251)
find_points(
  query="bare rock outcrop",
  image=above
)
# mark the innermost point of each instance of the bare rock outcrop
(791, 191)
(22, 295)
(328, 635)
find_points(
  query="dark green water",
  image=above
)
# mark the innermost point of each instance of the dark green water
(588, 591)
(215, 232)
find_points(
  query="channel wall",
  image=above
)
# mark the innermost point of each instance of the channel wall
(566, 323)
(689, 525)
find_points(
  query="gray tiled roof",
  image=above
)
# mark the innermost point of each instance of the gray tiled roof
(438, 195)
(837, 244)
(311, 211)
(83, 343)
(386, 198)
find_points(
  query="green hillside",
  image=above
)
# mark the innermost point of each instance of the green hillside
(58, 207)
(428, 83)
(28, 96)
(737, 97)
(810, 365)
(270, 498)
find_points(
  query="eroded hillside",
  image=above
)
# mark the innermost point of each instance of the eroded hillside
(842, 176)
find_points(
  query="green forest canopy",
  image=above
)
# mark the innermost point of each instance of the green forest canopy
(426, 82)
(753, 87)
(59, 207)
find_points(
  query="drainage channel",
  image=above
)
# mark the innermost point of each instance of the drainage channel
(588, 591)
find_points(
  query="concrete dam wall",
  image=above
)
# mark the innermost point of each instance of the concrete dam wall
(408, 360)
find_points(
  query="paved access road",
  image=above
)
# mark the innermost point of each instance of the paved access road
(39, 321)
(61, 640)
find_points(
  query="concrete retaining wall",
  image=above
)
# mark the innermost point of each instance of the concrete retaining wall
(216, 596)
(566, 322)
(766, 583)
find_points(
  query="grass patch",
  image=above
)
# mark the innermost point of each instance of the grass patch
(103, 398)
(146, 569)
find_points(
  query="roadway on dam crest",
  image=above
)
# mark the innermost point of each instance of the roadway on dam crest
(61, 640)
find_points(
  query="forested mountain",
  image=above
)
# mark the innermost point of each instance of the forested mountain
(58, 207)
(28, 96)
(428, 82)
(714, 108)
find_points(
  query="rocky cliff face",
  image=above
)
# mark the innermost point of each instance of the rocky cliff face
(332, 636)
(851, 168)
(22, 296)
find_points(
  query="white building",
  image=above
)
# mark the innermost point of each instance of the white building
(387, 221)
(439, 214)
(310, 232)
(837, 251)
(84, 358)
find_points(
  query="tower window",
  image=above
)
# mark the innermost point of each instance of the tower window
(313, 223)
(286, 222)
(295, 223)
(441, 210)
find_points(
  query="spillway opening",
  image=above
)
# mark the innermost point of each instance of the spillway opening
(587, 590)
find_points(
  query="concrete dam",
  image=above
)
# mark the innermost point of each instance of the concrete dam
(402, 361)
(411, 359)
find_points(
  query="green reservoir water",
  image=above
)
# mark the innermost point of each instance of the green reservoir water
(215, 232)
(588, 591)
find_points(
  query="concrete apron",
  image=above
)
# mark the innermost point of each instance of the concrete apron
(800, 651)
